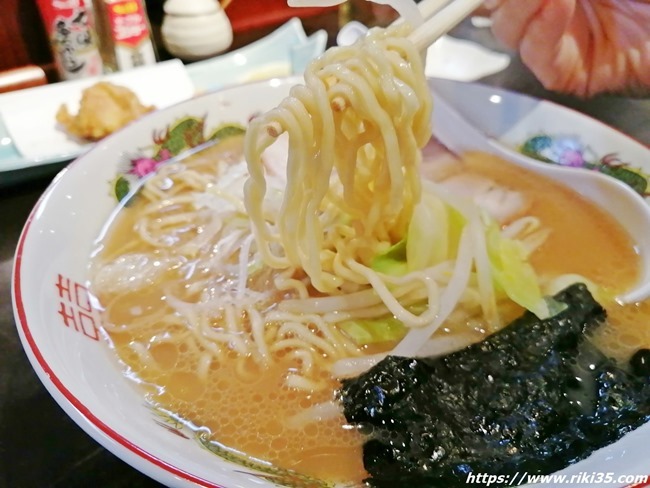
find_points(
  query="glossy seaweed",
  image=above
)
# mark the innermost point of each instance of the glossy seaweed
(534, 397)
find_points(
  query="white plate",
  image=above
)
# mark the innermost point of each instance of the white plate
(462, 60)
(30, 134)
(31, 127)
(286, 51)
(80, 371)
(30, 115)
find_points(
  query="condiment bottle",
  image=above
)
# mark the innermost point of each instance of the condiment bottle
(70, 26)
(124, 33)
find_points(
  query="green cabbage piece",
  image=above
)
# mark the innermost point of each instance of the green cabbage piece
(513, 274)
(433, 237)
(373, 331)
(393, 261)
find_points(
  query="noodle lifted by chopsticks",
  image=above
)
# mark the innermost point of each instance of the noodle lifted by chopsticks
(353, 168)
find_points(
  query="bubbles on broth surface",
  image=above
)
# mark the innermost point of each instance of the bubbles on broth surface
(252, 417)
(249, 412)
(249, 416)
(627, 330)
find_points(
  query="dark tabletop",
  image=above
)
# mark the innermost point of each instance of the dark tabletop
(39, 445)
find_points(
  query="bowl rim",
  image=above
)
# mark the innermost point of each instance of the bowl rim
(73, 406)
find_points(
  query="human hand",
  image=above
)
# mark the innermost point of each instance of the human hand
(581, 47)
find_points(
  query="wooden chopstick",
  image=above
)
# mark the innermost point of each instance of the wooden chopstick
(441, 21)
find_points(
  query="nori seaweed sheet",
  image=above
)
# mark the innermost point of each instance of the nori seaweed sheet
(533, 397)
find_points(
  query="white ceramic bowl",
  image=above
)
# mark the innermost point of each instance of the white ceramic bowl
(59, 328)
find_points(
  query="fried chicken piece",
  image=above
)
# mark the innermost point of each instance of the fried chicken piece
(104, 108)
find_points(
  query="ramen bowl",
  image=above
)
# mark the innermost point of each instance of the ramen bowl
(61, 330)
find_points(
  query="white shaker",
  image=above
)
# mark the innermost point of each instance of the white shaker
(195, 29)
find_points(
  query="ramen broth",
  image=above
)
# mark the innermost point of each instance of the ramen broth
(248, 410)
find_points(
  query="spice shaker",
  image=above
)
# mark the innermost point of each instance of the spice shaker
(70, 26)
(125, 38)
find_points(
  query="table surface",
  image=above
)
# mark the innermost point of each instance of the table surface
(39, 445)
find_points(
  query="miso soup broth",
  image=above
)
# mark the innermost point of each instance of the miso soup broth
(163, 269)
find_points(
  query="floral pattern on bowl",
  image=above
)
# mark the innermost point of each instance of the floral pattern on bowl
(180, 137)
(566, 150)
